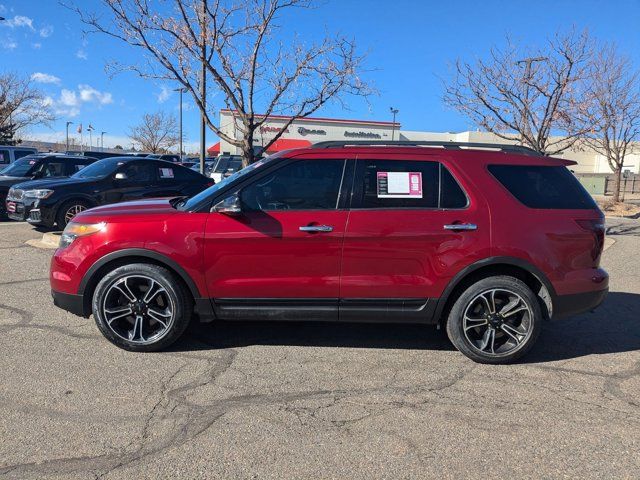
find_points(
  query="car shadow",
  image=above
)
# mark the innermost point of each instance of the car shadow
(613, 328)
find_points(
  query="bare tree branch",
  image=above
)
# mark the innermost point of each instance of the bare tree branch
(246, 56)
(524, 94)
(156, 133)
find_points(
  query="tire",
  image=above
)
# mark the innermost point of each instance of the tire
(497, 335)
(144, 324)
(62, 217)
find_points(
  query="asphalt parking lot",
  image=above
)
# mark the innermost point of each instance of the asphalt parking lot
(263, 400)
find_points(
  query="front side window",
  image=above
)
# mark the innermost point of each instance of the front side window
(302, 185)
(406, 184)
(142, 172)
(52, 168)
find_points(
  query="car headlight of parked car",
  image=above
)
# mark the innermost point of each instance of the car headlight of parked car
(74, 230)
(38, 193)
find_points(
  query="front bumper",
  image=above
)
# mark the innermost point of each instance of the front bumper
(31, 212)
(70, 302)
(568, 305)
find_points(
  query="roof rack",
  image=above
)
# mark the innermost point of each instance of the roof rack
(431, 143)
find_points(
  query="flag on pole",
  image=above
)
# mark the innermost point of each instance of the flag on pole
(80, 128)
(90, 128)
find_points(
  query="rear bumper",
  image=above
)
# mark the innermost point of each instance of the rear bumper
(70, 302)
(568, 305)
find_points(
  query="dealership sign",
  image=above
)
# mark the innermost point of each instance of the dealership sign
(361, 134)
(269, 129)
(310, 131)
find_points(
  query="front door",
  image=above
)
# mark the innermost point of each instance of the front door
(410, 229)
(280, 257)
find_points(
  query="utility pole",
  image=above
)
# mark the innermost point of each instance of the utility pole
(203, 85)
(102, 140)
(181, 90)
(90, 130)
(68, 123)
(394, 111)
(527, 79)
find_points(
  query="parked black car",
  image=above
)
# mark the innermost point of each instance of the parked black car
(36, 166)
(98, 154)
(112, 180)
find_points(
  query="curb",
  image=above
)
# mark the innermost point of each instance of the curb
(49, 240)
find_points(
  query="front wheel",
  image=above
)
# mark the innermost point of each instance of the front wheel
(141, 307)
(496, 320)
(70, 209)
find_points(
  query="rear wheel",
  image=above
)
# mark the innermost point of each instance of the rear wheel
(141, 307)
(495, 320)
(70, 209)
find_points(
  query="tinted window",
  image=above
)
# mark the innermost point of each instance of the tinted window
(303, 185)
(4, 157)
(183, 174)
(451, 195)
(142, 172)
(52, 168)
(21, 153)
(77, 164)
(101, 168)
(543, 187)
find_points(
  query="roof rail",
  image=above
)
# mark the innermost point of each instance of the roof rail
(430, 143)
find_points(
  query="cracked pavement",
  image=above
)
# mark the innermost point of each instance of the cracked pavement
(293, 400)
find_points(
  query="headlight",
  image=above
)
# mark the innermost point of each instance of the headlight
(74, 230)
(40, 193)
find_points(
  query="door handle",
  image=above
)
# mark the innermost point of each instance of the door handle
(461, 226)
(317, 228)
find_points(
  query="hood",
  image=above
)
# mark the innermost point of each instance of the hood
(137, 207)
(11, 181)
(52, 183)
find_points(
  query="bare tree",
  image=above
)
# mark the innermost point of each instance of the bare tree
(612, 113)
(21, 106)
(527, 95)
(258, 66)
(156, 133)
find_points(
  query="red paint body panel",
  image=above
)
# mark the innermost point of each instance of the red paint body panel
(265, 255)
(376, 253)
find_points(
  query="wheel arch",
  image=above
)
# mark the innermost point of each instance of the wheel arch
(515, 267)
(126, 256)
(74, 196)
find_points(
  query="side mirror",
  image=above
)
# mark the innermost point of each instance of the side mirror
(228, 206)
(38, 174)
(120, 176)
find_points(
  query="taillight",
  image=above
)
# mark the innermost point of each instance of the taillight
(596, 227)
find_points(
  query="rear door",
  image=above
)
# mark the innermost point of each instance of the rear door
(411, 227)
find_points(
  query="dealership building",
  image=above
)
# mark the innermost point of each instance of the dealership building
(303, 132)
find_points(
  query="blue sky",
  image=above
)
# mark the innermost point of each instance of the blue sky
(410, 45)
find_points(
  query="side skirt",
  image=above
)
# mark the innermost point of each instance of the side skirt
(376, 310)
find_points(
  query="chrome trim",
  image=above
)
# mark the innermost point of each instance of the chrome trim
(316, 228)
(461, 226)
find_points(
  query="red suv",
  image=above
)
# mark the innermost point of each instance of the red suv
(487, 240)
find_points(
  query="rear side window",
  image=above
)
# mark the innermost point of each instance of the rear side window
(4, 157)
(406, 184)
(544, 187)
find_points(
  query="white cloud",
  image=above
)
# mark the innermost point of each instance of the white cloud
(36, 45)
(40, 77)
(19, 21)
(46, 31)
(90, 94)
(9, 44)
(164, 94)
(68, 98)
(82, 54)
(2, 8)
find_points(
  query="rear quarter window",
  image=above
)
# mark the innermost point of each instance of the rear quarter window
(543, 187)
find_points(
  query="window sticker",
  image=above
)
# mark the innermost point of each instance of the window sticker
(399, 184)
(166, 173)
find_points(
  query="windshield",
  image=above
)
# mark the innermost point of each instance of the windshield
(202, 196)
(101, 168)
(21, 167)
